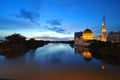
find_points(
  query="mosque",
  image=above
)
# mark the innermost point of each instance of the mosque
(84, 38)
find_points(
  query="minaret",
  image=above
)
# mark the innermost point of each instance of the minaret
(103, 37)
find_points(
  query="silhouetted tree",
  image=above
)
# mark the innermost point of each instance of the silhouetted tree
(15, 38)
(32, 40)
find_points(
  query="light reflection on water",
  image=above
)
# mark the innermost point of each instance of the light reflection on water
(58, 62)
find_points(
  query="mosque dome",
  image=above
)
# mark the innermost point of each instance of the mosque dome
(87, 31)
(87, 35)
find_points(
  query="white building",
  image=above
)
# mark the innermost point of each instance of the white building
(114, 37)
(81, 38)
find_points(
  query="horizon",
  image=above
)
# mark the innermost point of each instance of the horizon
(57, 20)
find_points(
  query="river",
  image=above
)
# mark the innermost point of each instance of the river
(58, 62)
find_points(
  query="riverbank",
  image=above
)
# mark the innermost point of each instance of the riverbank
(10, 49)
(15, 49)
(105, 48)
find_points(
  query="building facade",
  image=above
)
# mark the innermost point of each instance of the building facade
(78, 34)
(87, 35)
(114, 37)
(81, 38)
(77, 37)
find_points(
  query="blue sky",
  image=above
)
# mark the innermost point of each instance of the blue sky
(57, 19)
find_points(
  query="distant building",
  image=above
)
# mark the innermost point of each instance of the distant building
(99, 38)
(78, 34)
(114, 37)
(82, 37)
(77, 37)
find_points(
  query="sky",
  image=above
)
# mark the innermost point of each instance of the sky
(57, 19)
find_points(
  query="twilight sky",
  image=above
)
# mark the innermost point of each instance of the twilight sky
(57, 19)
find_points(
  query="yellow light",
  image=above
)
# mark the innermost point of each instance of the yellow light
(87, 54)
(103, 24)
(103, 67)
(103, 30)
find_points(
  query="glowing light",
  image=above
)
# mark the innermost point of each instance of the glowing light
(87, 54)
(103, 24)
(88, 35)
(103, 67)
(103, 30)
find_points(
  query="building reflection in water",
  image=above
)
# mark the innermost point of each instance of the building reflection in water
(87, 55)
(103, 66)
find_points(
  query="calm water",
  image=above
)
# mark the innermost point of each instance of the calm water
(58, 62)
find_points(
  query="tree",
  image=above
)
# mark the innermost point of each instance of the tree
(15, 38)
(32, 40)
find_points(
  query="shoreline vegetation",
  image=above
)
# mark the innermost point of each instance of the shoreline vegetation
(10, 50)
(105, 49)
(106, 52)
(16, 45)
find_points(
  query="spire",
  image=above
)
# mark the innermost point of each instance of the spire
(103, 29)
(104, 19)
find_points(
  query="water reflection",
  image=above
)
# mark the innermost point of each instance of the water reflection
(103, 65)
(105, 60)
(13, 54)
(87, 55)
(59, 62)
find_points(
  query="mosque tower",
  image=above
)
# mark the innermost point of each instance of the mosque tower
(103, 37)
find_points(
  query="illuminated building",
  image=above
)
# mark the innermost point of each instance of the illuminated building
(99, 38)
(114, 37)
(87, 35)
(103, 37)
(85, 38)
(81, 38)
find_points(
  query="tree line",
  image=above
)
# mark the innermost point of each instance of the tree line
(16, 44)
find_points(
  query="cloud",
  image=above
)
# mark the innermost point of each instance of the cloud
(54, 22)
(15, 24)
(25, 14)
(53, 38)
(56, 29)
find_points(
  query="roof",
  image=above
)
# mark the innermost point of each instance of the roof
(87, 31)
